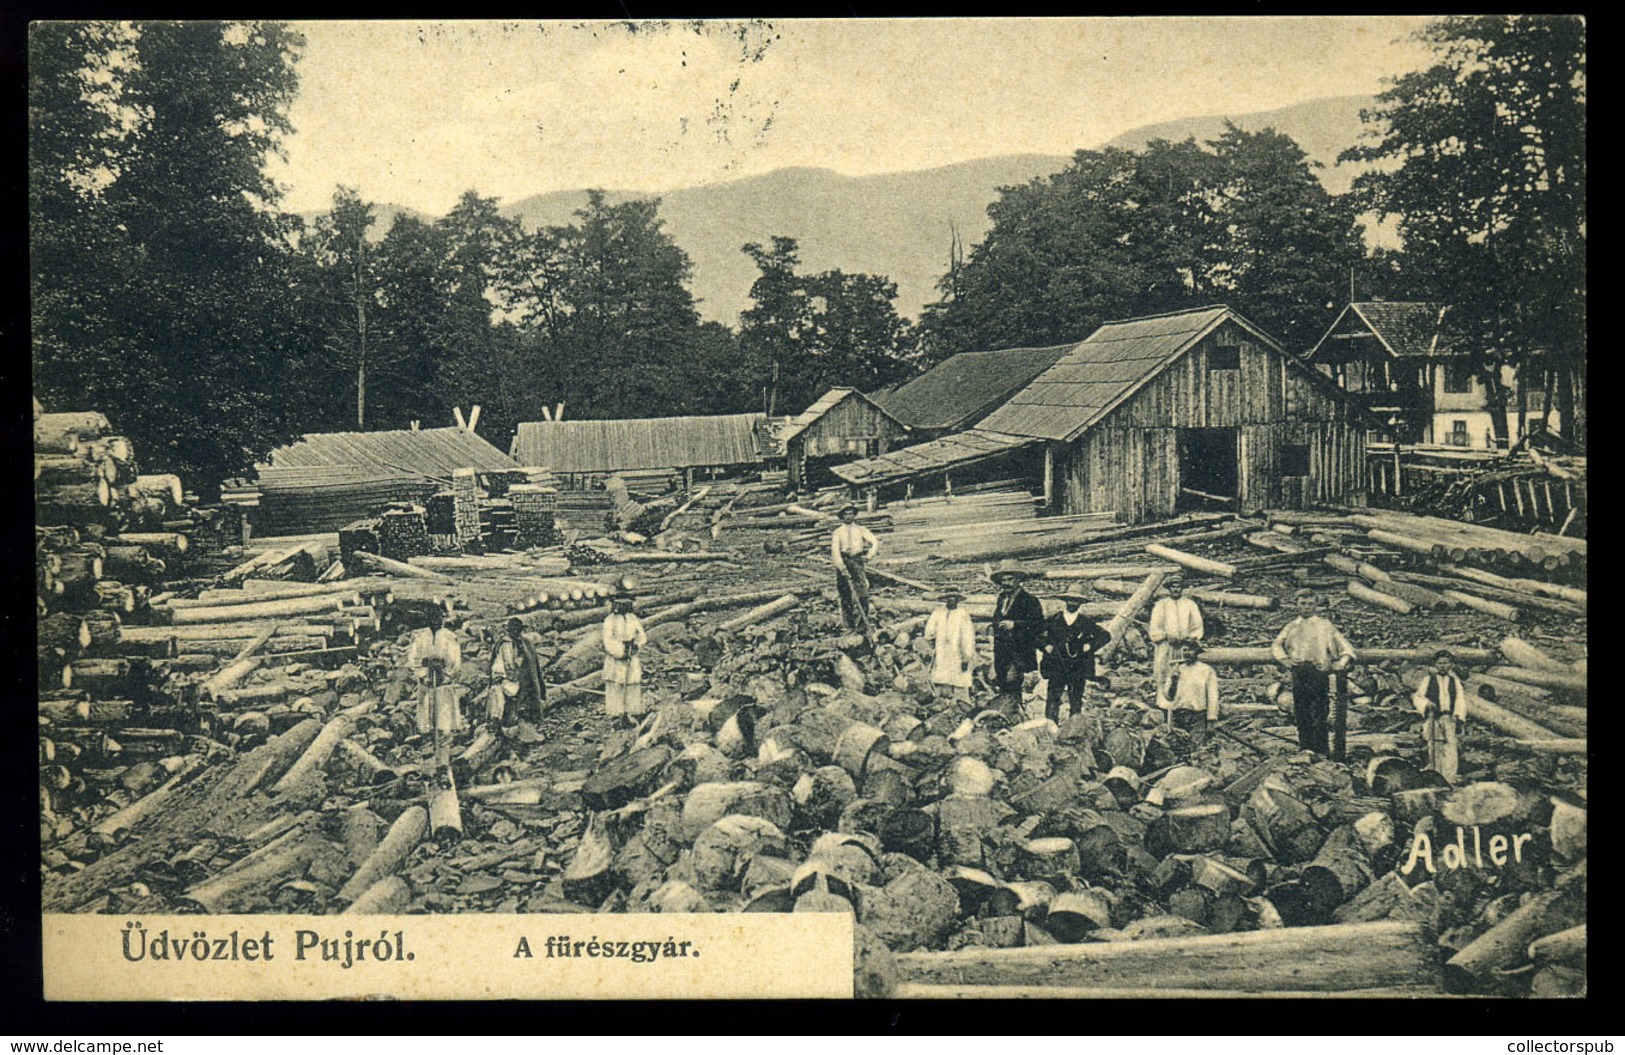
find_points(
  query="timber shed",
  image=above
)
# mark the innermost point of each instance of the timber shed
(325, 480)
(582, 452)
(843, 423)
(1154, 416)
(965, 388)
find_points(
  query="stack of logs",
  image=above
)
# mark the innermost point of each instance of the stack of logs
(106, 724)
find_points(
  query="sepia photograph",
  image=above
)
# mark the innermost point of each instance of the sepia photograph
(897, 508)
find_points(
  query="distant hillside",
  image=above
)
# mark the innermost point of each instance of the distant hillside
(896, 224)
(1323, 127)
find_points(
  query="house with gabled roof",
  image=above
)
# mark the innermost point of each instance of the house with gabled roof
(842, 424)
(1154, 416)
(1406, 363)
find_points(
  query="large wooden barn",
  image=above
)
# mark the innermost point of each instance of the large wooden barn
(1154, 416)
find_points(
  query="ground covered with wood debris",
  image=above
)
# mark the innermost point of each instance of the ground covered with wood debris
(789, 765)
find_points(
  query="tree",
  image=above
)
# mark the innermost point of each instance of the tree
(806, 333)
(347, 287)
(156, 136)
(1121, 233)
(611, 323)
(1481, 159)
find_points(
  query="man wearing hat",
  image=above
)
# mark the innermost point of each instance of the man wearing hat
(434, 657)
(624, 638)
(953, 643)
(1175, 619)
(850, 550)
(1071, 640)
(1018, 632)
(517, 689)
(1441, 700)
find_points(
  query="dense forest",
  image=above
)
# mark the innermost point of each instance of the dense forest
(171, 291)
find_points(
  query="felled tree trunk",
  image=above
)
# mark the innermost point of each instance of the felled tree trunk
(403, 837)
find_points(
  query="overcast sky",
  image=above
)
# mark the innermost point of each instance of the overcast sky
(417, 112)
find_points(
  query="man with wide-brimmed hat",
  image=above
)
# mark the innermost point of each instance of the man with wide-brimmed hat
(434, 657)
(624, 639)
(1018, 632)
(953, 644)
(1071, 640)
(1175, 619)
(850, 550)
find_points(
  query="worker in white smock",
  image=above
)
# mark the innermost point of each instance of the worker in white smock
(953, 647)
(1174, 619)
(624, 638)
(433, 658)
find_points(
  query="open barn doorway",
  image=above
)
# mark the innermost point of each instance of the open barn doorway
(1209, 469)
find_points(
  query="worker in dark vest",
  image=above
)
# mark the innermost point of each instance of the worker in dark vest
(1311, 649)
(1018, 634)
(1441, 700)
(1071, 640)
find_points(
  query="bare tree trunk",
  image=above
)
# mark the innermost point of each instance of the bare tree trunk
(1495, 395)
(361, 336)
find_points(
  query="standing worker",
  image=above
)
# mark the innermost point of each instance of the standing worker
(1175, 619)
(434, 658)
(624, 638)
(1193, 692)
(1071, 640)
(850, 550)
(1311, 648)
(1441, 700)
(953, 645)
(517, 689)
(1018, 632)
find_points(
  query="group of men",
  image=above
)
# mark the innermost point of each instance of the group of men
(1063, 647)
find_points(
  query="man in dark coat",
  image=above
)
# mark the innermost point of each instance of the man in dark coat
(1018, 633)
(1071, 640)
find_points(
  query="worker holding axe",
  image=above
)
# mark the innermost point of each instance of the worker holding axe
(434, 657)
(850, 550)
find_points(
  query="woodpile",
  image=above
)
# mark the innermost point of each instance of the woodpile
(787, 765)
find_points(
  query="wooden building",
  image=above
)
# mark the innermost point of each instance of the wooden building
(1403, 361)
(963, 389)
(843, 424)
(1155, 416)
(582, 453)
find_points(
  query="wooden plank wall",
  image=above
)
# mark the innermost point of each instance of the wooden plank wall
(847, 428)
(1130, 461)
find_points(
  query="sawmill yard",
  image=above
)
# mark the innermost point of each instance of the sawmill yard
(229, 728)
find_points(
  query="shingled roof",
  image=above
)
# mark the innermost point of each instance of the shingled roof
(1094, 377)
(1407, 329)
(946, 452)
(612, 445)
(963, 389)
(823, 405)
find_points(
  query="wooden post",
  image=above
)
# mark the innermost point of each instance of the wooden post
(1049, 476)
(1340, 718)
(1399, 476)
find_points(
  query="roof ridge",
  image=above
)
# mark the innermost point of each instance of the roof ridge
(1161, 315)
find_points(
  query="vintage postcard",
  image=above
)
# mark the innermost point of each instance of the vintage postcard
(811, 509)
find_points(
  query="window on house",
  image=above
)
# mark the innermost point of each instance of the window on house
(1295, 459)
(872, 448)
(1222, 358)
(1458, 432)
(1458, 377)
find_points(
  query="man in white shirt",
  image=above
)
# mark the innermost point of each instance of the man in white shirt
(1441, 700)
(850, 550)
(1311, 648)
(1193, 692)
(953, 643)
(1175, 619)
(624, 639)
(433, 658)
